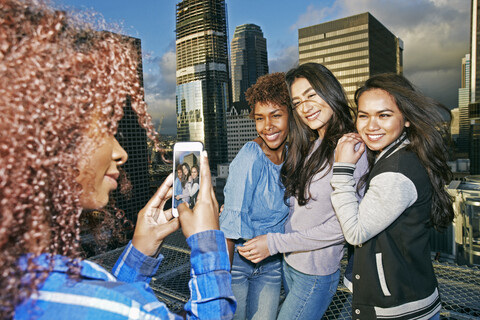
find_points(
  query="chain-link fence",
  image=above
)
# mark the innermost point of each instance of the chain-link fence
(459, 285)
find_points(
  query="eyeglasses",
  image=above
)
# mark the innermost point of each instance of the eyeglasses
(295, 106)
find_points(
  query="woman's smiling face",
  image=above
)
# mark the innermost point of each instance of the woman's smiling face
(310, 107)
(379, 122)
(194, 173)
(271, 122)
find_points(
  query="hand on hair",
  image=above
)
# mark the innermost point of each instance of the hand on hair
(153, 223)
(346, 150)
(255, 249)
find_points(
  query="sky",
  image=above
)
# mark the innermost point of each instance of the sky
(435, 35)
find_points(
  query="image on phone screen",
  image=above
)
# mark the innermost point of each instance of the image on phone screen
(186, 175)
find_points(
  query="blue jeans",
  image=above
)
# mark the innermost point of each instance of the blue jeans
(307, 296)
(256, 287)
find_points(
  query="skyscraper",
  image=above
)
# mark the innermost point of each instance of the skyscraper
(202, 75)
(474, 106)
(353, 48)
(463, 101)
(475, 63)
(474, 137)
(248, 59)
(133, 139)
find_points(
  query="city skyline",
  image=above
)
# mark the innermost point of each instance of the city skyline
(435, 34)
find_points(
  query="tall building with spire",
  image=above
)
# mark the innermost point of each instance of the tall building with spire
(248, 57)
(353, 48)
(202, 94)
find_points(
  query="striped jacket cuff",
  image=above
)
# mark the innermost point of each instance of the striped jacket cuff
(343, 168)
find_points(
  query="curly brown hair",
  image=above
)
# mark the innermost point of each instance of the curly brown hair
(56, 80)
(269, 88)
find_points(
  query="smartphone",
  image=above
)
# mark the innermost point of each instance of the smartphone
(186, 173)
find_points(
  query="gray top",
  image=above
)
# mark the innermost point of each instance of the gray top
(313, 240)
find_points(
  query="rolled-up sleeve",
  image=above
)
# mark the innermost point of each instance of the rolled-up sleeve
(239, 191)
(134, 266)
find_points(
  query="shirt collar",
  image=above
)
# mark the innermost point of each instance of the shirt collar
(401, 142)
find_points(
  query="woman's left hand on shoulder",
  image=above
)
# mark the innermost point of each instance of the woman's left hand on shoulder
(255, 249)
(345, 150)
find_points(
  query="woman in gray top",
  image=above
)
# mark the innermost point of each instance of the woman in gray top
(313, 241)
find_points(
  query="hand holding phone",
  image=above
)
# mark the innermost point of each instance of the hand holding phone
(205, 214)
(154, 223)
(186, 172)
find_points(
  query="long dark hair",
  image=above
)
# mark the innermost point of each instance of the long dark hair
(198, 173)
(429, 123)
(185, 177)
(297, 172)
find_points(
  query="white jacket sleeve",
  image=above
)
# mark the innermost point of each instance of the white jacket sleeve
(388, 196)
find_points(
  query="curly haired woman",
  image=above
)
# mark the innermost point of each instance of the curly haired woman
(254, 199)
(62, 92)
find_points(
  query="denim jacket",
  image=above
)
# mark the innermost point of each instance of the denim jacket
(126, 294)
(254, 203)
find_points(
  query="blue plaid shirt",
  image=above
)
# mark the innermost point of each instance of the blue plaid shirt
(127, 295)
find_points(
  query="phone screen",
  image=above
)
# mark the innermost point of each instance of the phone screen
(186, 171)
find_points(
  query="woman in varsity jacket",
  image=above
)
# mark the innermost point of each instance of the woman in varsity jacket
(393, 276)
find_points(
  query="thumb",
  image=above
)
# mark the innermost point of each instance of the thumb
(173, 224)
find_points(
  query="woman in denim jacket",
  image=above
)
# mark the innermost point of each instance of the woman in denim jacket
(254, 199)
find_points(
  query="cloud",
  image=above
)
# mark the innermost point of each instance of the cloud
(160, 84)
(162, 110)
(284, 60)
(434, 83)
(435, 35)
(314, 16)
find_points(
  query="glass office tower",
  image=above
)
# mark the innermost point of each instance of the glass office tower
(202, 93)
